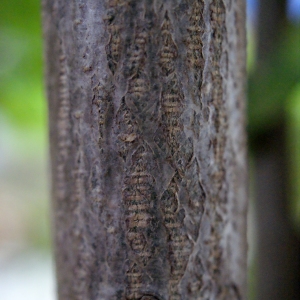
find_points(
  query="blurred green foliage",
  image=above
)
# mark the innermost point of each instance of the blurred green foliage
(21, 77)
(293, 113)
(273, 97)
(23, 122)
(270, 89)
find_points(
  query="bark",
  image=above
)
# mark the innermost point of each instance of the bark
(146, 112)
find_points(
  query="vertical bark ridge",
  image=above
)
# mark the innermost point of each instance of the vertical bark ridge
(219, 117)
(218, 14)
(220, 195)
(126, 129)
(78, 232)
(139, 200)
(102, 100)
(172, 106)
(194, 46)
(138, 85)
(140, 216)
(113, 20)
(63, 123)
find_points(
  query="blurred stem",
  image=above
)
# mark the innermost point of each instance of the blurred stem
(271, 23)
(277, 241)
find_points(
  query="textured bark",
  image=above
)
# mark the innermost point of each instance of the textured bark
(146, 102)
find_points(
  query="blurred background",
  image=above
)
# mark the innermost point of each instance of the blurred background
(26, 263)
(26, 269)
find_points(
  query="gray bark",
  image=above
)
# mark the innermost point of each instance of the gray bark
(146, 112)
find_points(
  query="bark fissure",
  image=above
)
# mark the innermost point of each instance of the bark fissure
(177, 155)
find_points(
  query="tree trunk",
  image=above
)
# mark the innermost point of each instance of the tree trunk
(146, 105)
